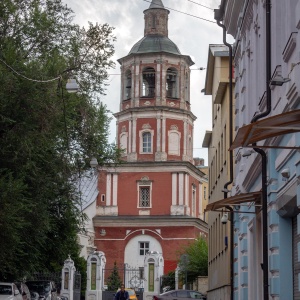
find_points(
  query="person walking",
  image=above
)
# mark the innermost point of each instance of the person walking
(122, 294)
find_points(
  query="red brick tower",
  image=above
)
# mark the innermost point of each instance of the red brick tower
(153, 200)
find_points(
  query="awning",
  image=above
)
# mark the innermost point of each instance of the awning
(234, 200)
(285, 123)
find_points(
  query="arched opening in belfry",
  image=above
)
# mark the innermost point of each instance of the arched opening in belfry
(148, 83)
(128, 84)
(172, 83)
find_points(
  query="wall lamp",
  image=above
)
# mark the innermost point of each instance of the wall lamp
(224, 219)
(72, 86)
(279, 80)
(247, 153)
(285, 173)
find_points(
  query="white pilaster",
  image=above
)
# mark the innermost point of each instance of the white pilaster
(115, 189)
(164, 135)
(134, 135)
(180, 188)
(108, 189)
(158, 141)
(130, 136)
(174, 189)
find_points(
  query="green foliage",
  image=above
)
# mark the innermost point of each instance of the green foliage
(114, 280)
(45, 132)
(194, 259)
(168, 280)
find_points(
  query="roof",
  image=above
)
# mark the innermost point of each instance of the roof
(155, 43)
(207, 139)
(156, 4)
(234, 200)
(214, 50)
(268, 128)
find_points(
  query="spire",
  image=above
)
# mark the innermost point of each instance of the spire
(156, 4)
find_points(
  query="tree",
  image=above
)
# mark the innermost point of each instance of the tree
(44, 131)
(114, 280)
(194, 259)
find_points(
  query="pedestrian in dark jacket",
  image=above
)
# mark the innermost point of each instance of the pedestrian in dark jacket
(122, 294)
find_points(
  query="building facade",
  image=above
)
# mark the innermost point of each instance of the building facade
(266, 147)
(217, 142)
(153, 200)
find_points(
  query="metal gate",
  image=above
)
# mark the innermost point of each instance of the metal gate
(132, 277)
(77, 286)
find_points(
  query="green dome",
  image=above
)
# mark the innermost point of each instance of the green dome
(155, 43)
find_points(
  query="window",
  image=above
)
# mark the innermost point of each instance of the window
(148, 83)
(204, 193)
(147, 142)
(144, 196)
(144, 248)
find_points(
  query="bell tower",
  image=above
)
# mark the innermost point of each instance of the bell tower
(153, 200)
(155, 122)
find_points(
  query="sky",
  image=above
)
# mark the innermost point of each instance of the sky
(187, 30)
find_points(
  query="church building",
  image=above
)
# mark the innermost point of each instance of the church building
(153, 201)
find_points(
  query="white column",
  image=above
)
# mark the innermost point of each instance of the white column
(158, 141)
(108, 189)
(180, 188)
(163, 135)
(187, 189)
(200, 200)
(134, 135)
(185, 136)
(129, 135)
(115, 189)
(174, 189)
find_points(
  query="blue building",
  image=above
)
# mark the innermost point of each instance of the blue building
(263, 197)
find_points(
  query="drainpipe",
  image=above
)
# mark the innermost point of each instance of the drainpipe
(264, 156)
(218, 17)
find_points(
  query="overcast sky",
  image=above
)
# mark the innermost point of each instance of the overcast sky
(191, 34)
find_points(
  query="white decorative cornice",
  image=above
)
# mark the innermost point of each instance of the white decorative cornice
(146, 126)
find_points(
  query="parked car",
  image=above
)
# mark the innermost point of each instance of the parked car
(9, 291)
(24, 290)
(180, 295)
(45, 288)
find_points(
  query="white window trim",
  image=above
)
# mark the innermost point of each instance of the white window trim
(141, 140)
(140, 185)
(144, 248)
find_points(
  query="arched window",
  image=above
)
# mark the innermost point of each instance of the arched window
(172, 83)
(147, 142)
(128, 84)
(148, 83)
